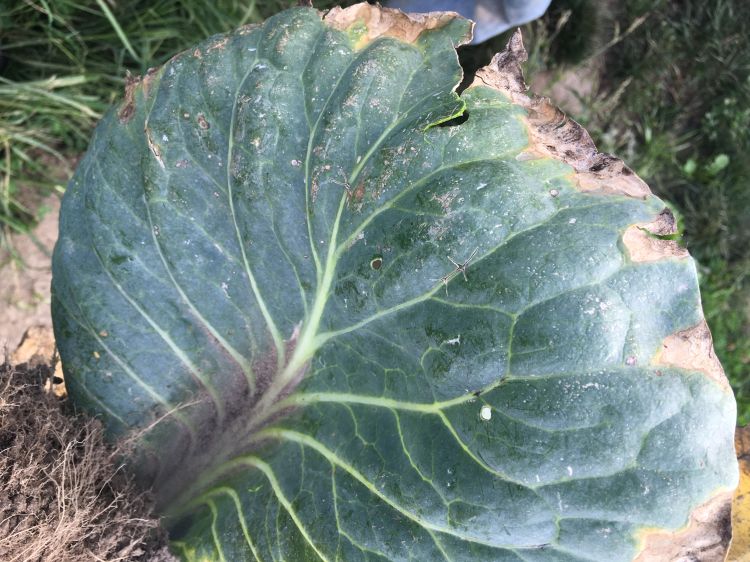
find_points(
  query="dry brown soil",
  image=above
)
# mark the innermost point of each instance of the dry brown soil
(25, 287)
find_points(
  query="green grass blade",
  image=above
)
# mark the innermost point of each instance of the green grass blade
(116, 26)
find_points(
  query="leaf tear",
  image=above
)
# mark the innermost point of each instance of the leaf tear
(643, 244)
(460, 119)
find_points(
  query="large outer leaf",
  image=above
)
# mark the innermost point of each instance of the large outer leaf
(262, 282)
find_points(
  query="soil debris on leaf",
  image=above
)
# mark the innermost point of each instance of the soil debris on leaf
(63, 494)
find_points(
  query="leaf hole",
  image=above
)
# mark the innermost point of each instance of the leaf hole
(463, 118)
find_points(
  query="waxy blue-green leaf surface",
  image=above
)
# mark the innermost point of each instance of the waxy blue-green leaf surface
(335, 330)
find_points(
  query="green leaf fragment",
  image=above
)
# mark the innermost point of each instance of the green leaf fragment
(336, 331)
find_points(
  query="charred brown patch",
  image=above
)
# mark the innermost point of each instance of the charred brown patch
(705, 538)
(127, 109)
(693, 350)
(354, 197)
(553, 134)
(153, 147)
(359, 193)
(132, 83)
(221, 44)
(202, 123)
(387, 22)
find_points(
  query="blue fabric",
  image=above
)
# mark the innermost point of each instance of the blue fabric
(491, 16)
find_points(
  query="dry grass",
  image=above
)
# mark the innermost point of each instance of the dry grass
(63, 496)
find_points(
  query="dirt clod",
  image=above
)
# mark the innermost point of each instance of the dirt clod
(63, 495)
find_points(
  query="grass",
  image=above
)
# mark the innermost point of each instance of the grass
(694, 141)
(670, 95)
(63, 62)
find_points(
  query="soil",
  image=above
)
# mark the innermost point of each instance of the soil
(25, 280)
(63, 495)
(567, 88)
